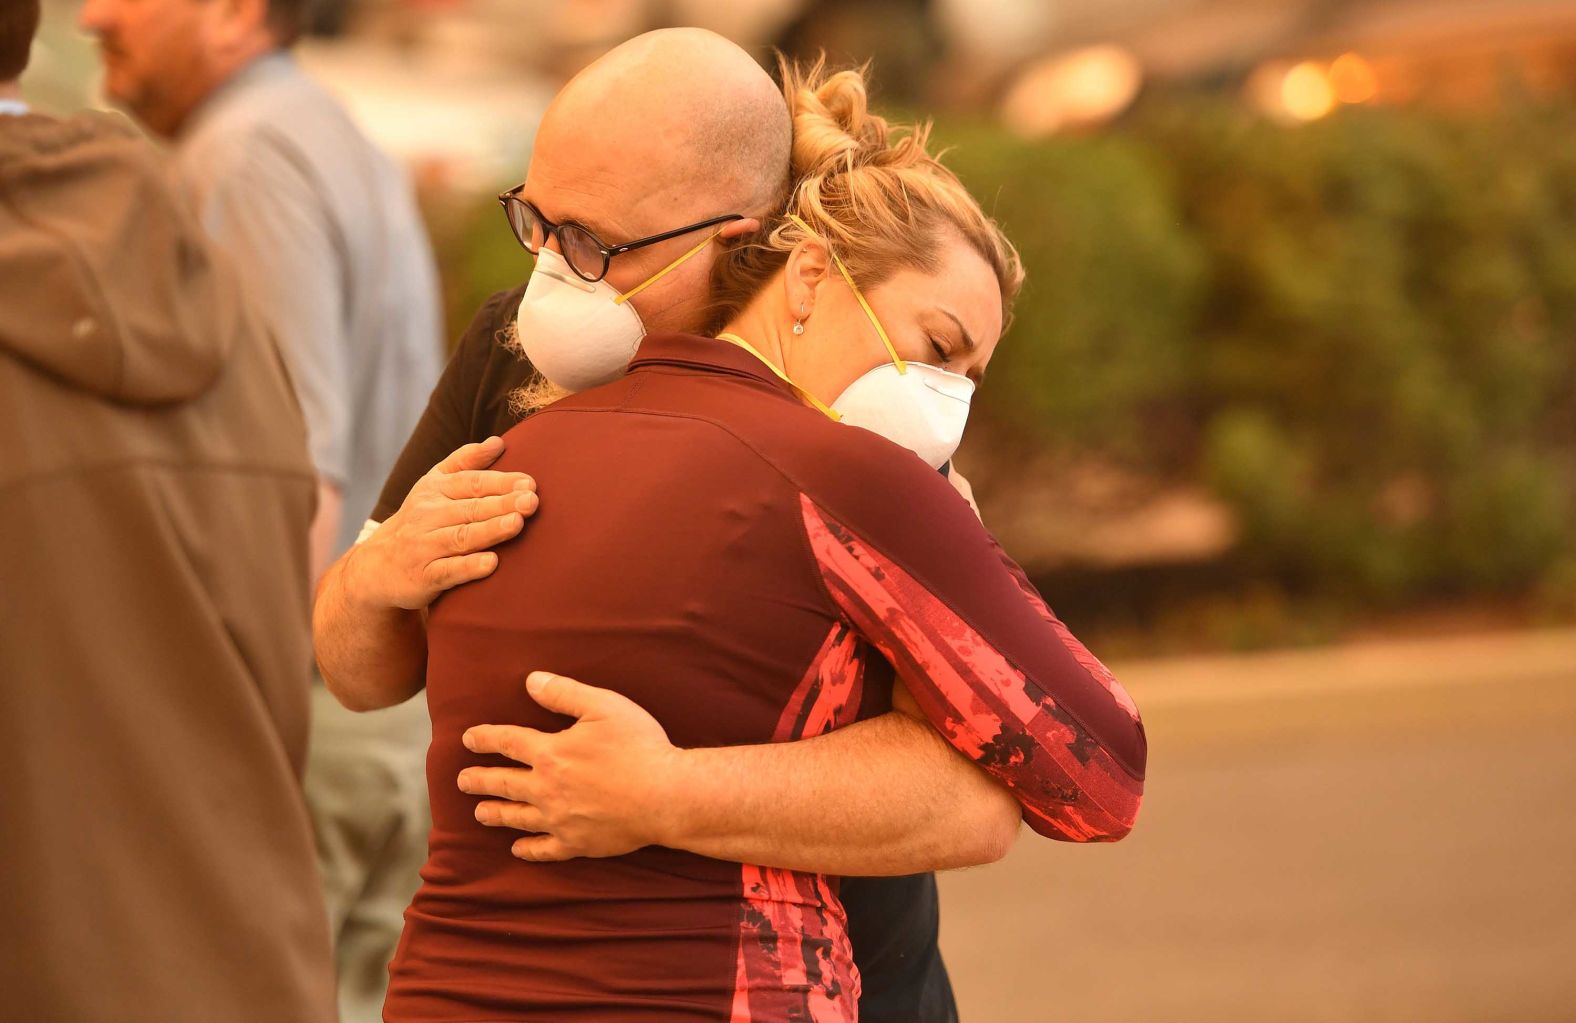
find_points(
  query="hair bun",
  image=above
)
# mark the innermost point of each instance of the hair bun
(834, 132)
(833, 129)
(870, 190)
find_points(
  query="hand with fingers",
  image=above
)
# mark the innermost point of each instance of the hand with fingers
(441, 535)
(601, 787)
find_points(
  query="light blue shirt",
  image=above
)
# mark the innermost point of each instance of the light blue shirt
(324, 228)
(12, 106)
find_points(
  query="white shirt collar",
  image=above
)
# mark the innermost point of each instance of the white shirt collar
(13, 106)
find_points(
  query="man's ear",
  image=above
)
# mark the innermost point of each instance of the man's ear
(738, 229)
(241, 23)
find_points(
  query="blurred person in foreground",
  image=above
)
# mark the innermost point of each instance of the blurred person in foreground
(671, 129)
(155, 500)
(325, 230)
(723, 545)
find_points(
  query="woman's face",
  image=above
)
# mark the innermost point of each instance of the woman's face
(950, 319)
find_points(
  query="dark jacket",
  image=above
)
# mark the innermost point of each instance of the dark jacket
(155, 497)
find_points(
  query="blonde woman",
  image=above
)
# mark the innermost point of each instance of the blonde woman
(747, 534)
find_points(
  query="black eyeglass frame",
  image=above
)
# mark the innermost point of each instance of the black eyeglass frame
(551, 230)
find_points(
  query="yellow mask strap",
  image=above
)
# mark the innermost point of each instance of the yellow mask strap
(637, 289)
(897, 360)
(831, 413)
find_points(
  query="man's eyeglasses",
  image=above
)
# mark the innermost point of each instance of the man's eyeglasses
(587, 255)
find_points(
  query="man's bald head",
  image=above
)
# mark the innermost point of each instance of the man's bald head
(670, 128)
(683, 114)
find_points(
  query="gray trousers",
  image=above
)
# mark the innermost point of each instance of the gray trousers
(366, 788)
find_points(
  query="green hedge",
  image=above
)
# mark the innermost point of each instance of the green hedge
(1360, 333)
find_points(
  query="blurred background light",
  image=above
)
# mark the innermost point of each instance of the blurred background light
(1001, 30)
(1085, 87)
(1305, 92)
(748, 21)
(1352, 78)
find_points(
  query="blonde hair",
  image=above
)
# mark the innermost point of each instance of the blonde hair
(870, 190)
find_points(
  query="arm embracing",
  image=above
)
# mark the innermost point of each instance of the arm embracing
(370, 656)
(885, 796)
(992, 668)
(434, 524)
(882, 796)
(368, 622)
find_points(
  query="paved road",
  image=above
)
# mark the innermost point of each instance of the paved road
(1374, 833)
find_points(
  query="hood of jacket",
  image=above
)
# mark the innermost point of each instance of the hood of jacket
(106, 280)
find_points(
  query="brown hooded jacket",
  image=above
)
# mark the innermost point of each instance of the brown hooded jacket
(156, 858)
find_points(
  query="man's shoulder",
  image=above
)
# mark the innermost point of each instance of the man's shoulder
(858, 473)
(861, 479)
(90, 138)
(826, 456)
(471, 401)
(273, 113)
(248, 150)
(488, 338)
(487, 366)
(503, 306)
(274, 84)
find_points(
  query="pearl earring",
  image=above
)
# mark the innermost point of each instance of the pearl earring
(798, 325)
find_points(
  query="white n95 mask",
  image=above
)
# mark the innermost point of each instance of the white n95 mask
(911, 404)
(581, 335)
(577, 334)
(920, 407)
(914, 405)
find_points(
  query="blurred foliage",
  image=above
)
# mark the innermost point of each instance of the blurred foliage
(1359, 333)
(1112, 291)
(477, 254)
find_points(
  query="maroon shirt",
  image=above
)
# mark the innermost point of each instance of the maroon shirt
(745, 569)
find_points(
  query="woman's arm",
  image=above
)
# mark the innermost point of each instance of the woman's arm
(994, 671)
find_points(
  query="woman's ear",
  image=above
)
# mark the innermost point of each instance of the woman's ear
(805, 273)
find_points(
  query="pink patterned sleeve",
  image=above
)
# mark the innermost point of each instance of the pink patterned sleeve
(998, 675)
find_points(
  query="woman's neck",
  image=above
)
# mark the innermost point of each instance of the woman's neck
(764, 332)
(770, 333)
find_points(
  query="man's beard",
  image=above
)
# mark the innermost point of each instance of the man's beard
(142, 98)
(536, 393)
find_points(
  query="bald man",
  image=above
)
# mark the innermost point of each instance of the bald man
(671, 130)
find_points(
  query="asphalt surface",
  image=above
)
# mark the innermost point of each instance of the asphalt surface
(1371, 833)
